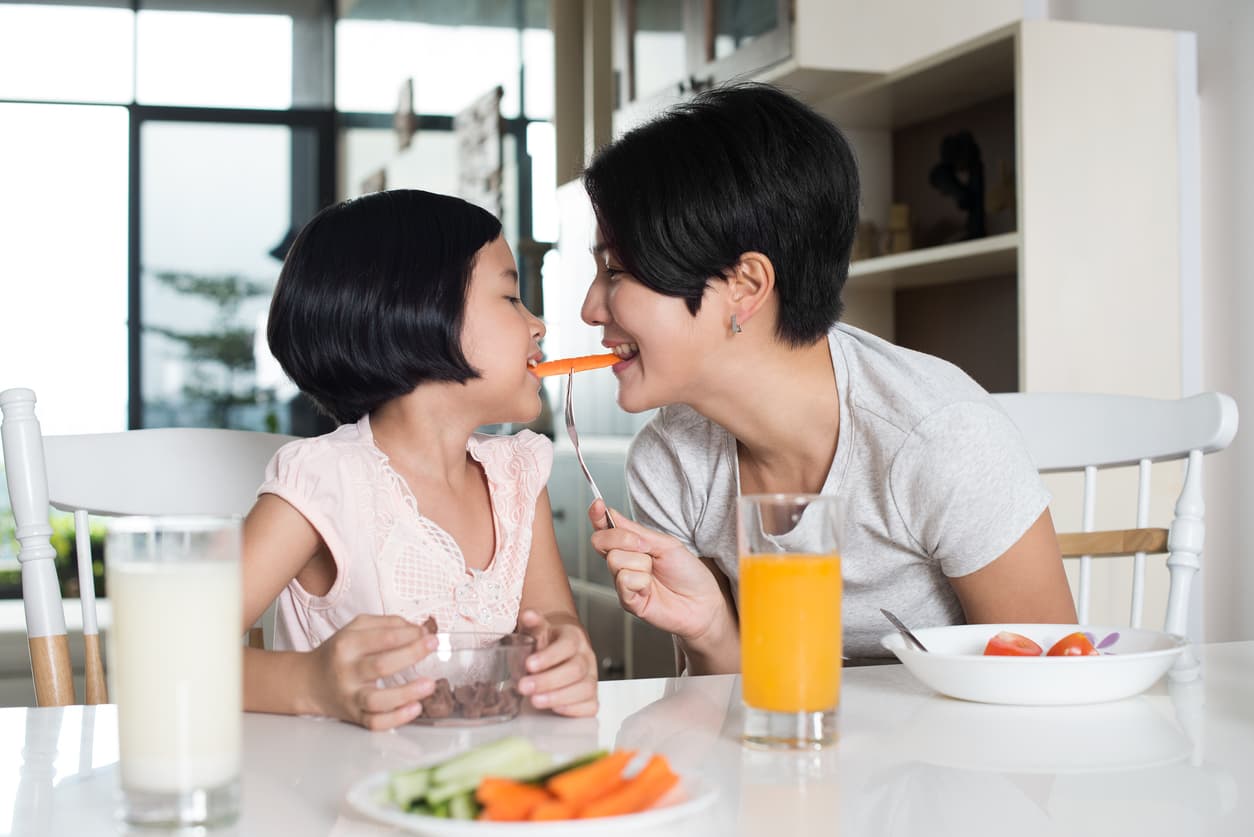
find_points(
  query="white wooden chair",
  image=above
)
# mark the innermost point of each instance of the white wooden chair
(149, 472)
(1076, 432)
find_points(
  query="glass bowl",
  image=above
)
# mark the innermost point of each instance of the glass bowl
(476, 678)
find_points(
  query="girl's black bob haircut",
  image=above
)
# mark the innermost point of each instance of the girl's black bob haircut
(370, 300)
(736, 169)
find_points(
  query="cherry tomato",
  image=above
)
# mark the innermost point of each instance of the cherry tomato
(1007, 644)
(1074, 645)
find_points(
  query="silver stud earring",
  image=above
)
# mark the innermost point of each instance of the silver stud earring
(736, 329)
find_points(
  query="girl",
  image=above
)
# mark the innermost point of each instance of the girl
(398, 314)
(725, 228)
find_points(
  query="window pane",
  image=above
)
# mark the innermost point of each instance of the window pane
(207, 232)
(66, 53)
(214, 60)
(542, 148)
(738, 22)
(661, 51)
(64, 262)
(451, 65)
(430, 161)
(538, 62)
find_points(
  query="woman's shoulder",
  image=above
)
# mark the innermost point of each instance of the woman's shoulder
(677, 434)
(899, 386)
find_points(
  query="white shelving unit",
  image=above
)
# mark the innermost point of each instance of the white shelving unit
(994, 255)
(1092, 121)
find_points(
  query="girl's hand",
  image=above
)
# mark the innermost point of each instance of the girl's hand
(562, 673)
(345, 671)
(660, 581)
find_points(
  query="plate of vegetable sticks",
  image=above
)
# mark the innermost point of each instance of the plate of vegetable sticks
(508, 786)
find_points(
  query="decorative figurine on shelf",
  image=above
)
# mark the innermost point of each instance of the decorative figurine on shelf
(960, 174)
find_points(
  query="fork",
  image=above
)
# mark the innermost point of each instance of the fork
(574, 440)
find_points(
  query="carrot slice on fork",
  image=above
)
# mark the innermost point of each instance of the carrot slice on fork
(575, 364)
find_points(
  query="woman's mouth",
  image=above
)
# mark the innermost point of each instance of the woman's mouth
(626, 350)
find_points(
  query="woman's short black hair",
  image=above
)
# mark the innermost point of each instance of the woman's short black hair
(370, 300)
(736, 169)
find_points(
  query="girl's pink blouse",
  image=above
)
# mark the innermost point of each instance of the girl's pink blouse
(389, 558)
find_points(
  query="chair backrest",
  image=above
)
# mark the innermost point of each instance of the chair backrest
(1081, 432)
(160, 471)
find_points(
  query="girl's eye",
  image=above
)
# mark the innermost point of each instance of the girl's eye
(517, 300)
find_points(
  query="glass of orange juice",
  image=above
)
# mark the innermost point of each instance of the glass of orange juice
(790, 636)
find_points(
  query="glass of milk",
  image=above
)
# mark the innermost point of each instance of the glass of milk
(174, 662)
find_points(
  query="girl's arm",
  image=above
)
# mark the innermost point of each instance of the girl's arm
(562, 674)
(338, 678)
(1026, 583)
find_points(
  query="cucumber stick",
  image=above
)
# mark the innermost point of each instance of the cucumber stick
(498, 758)
(408, 787)
(549, 772)
(463, 807)
(530, 765)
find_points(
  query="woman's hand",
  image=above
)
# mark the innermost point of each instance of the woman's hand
(664, 584)
(345, 670)
(562, 673)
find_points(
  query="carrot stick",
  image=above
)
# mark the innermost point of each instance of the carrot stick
(645, 788)
(507, 800)
(592, 781)
(578, 364)
(554, 809)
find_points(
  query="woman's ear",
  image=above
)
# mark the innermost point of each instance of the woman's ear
(749, 285)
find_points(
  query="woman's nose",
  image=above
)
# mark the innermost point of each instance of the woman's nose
(594, 311)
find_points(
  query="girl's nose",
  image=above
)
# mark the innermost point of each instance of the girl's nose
(538, 328)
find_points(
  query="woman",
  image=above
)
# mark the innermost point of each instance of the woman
(724, 231)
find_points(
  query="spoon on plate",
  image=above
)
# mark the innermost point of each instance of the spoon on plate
(905, 632)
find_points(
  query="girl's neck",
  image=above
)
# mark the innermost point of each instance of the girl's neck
(787, 421)
(423, 436)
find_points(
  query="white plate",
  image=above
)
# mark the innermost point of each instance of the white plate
(369, 797)
(955, 664)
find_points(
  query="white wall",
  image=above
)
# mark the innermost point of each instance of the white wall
(1225, 31)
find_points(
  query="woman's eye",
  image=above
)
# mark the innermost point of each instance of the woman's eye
(614, 272)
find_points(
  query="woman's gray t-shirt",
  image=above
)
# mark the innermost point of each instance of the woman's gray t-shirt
(937, 481)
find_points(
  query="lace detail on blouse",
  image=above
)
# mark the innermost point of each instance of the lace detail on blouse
(392, 558)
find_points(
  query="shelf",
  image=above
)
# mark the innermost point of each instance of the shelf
(813, 85)
(991, 256)
(965, 75)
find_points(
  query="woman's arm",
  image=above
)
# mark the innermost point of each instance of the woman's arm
(1026, 583)
(664, 584)
(563, 670)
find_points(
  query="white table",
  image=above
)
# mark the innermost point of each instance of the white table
(1178, 761)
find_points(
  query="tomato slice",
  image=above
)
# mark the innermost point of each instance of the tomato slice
(1008, 644)
(1074, 645)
